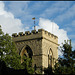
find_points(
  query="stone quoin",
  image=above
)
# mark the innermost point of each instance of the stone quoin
(41, 46)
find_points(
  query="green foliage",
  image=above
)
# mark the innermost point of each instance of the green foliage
(66, 65)
(27, 63)
(8, 53)
(48, 71)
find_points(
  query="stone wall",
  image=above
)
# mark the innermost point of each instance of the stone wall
(46, 45)
(40, 43)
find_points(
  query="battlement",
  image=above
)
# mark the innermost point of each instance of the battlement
(35, 34)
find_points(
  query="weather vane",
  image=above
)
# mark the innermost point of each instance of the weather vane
(34, 23)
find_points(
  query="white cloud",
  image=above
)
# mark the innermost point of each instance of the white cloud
(10, 25)
(8, 22)
(72, 36)
(73, 23)
(48, 25)
(70, 13)
(73, 45)
(18, 8)
(68, 29)
(56, 9)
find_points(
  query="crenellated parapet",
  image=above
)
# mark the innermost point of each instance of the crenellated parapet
(38, 45)
(41, 33)
(34, 32)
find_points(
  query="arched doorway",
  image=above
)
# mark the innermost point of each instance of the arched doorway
(27, 52)
(50, 58)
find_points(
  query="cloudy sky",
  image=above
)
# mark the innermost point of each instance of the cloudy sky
(57, 17)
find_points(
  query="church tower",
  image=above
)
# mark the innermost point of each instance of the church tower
(41, 46)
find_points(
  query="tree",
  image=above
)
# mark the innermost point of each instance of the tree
(66, 65)
(48, 71)
(8, 53)
(27, 64)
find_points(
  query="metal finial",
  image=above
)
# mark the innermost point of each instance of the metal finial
(34, 23)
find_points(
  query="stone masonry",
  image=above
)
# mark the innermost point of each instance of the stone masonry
(41, 45)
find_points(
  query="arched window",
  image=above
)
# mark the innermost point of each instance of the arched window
(27, 52)
(50, 58)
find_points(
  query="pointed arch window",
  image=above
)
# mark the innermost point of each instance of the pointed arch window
(50, 58)
(27, 52)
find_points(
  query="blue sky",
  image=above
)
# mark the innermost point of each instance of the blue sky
(61, 13)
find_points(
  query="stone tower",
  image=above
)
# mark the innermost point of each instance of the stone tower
(41, 46)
